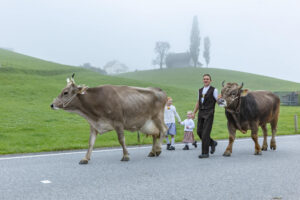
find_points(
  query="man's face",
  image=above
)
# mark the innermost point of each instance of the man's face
(206, 80)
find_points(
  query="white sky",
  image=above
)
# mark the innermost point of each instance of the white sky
(258, 36)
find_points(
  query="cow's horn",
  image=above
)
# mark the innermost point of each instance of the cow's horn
(242, 85)
(73, 75)
(223, 83)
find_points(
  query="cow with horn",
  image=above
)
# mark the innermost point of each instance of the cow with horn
(247, 111)
(118, 108)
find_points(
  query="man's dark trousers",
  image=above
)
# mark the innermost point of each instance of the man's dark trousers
(204, 126)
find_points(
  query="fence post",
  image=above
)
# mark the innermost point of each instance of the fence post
(138, 137)
(296, 123)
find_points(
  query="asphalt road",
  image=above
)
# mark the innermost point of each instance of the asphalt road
(174, 175)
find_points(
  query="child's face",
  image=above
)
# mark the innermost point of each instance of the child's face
(189, 115)
(170, 101)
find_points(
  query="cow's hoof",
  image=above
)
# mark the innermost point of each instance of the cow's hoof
(158, 153)
(226, 154)
(125, 158)
(83, 162)
(258, 153)
(273, 146)
(151, 154)
(264, 148)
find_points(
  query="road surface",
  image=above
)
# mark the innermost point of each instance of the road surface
(174, 175)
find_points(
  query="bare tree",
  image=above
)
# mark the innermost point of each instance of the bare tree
(161, 49)
(206, 53)
(195, 41)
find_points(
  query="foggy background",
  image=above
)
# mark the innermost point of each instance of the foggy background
(257, 36)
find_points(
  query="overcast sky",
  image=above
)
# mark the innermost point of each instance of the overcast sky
(258, 36)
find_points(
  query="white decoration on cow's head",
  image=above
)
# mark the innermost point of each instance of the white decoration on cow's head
(82, 89)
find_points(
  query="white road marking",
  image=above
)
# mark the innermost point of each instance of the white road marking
(45, 181)
(119, 149)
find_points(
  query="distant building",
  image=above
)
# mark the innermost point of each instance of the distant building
(115, 67)
(288, 98)
(180, 60)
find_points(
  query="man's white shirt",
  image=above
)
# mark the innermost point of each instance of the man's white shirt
(204, 91)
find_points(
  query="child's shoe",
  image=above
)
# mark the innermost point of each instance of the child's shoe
(172, 148)
(186, 147)
(195, 144)
(168, 146)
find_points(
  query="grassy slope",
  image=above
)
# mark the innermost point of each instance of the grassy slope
(28, 86)
(191, 78)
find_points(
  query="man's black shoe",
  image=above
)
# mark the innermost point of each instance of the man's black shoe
(195, 144)
(168, 146)
(172, 148)
(213, 147)
(203, 156)
(186, 147)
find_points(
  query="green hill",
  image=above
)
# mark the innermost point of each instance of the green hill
(191, 78)
(27, 124)
(28, 87)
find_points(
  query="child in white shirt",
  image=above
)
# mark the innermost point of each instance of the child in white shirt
(169, 117)
(189, 125)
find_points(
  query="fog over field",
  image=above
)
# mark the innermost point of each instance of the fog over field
(258, 36)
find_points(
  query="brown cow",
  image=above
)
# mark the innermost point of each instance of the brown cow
(249, 111)
(118, 108)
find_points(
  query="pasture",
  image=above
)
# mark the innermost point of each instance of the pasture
(28, 86)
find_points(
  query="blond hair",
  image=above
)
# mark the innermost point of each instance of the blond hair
(189, 112)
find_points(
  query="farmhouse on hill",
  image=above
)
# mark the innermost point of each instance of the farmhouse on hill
(180, 60)
(115, 67)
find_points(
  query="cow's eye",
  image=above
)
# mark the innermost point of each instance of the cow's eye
(233, 94)
(65, 93)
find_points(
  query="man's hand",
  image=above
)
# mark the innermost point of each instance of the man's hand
(193, 116)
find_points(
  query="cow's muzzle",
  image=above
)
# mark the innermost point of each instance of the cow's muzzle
(54, 107)
(222, 102)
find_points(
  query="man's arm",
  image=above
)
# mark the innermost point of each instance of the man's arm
(195, 109)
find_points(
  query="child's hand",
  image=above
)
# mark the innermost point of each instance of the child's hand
(179, 122)
(187, 127)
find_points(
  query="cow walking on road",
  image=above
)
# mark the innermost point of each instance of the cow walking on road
(248, 112)
(116, 108)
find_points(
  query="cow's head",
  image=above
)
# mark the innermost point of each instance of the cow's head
(67, 97)
(230, 94)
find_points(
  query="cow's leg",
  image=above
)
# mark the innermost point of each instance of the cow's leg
(232, 131)
(120, 132)
(274, 130)
(93, 135)
(159, 122)
(265, 143)
(254, 135)
(153, 151)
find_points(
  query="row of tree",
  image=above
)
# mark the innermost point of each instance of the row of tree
(161, 48)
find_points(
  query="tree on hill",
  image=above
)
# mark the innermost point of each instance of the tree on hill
(195, 41)
(161, 49)
(206, 53)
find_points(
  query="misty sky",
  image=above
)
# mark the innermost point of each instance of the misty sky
(258, 36)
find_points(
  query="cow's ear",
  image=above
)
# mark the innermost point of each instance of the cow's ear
(82, 89)
(244, 92)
